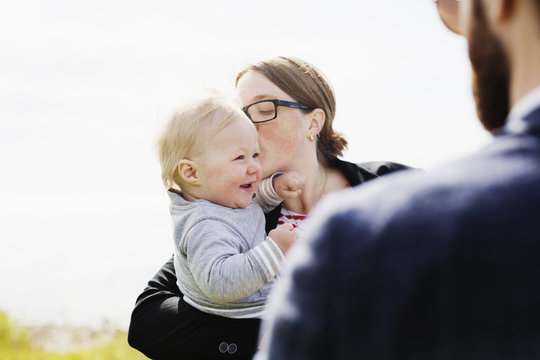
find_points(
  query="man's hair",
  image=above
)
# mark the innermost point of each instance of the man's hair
(307, 85)
(189, 129)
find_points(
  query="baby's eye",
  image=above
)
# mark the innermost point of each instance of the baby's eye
(256, 155)
(241, 157)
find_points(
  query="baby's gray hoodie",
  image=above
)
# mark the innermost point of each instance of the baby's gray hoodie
(224, 262)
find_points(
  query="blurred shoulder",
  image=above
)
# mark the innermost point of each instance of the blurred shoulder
(411, 200)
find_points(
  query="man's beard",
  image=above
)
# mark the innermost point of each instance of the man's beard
(491, 74)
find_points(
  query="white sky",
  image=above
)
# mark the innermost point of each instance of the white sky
(86, 86)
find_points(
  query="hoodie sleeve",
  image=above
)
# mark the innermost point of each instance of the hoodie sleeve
(222, 265)
(266, 196)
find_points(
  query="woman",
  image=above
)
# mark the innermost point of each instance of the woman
(293, 108)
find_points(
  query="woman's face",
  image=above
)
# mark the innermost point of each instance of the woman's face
(283, 139)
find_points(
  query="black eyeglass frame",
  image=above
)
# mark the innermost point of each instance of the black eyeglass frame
(276, 102)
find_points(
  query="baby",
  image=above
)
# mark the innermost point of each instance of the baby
(224, 261)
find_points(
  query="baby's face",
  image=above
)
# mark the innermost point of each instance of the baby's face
(229, 168)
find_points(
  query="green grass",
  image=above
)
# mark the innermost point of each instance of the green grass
(16, 344)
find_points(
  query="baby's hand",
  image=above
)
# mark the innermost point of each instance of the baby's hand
(289, 184)
(284, 236)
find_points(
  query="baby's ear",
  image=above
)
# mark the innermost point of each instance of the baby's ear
(187, 170)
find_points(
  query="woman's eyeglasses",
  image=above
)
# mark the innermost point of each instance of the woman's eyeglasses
(266, 110)
(449, 13)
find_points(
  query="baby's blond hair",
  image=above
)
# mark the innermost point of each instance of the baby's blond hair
(189, 129)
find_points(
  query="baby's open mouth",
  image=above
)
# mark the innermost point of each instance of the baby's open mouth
(246, 186)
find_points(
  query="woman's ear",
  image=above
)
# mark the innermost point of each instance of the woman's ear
(187, 169)
(317, 118)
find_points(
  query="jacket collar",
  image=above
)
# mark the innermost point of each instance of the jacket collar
(525, 115)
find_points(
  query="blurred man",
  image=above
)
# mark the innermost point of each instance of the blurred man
(439, 265)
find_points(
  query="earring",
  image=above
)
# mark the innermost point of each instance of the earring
(310, 137)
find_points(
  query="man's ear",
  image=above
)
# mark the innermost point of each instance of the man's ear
(187, 169)
(508, 8)
(499, 10)
(317, 118)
